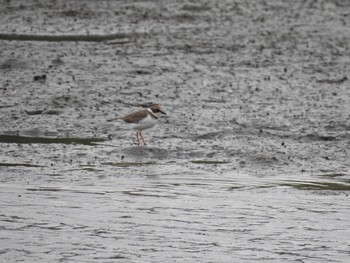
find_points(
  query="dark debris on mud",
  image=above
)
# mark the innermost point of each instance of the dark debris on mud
(263, 84)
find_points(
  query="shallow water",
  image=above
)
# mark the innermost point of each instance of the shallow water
(169, 211)
(171, 219)
(251, 163)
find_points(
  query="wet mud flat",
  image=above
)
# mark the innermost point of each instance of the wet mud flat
(250, 164)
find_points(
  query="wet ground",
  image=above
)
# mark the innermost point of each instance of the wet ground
(250, 164)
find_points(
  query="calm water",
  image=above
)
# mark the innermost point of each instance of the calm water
(170, 212)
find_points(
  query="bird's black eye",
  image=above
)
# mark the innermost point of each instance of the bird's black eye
(156, 110)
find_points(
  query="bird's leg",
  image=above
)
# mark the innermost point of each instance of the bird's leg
(137, 137)
(144, 142)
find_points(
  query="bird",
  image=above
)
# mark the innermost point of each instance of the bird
(141, 120)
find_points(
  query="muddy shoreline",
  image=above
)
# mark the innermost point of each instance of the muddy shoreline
(255, 146)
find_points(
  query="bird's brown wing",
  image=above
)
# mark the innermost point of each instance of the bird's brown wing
(135, 117)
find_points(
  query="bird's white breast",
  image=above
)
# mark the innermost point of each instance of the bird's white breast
(145, 123)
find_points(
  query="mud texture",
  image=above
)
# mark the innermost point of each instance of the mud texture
(251, 162)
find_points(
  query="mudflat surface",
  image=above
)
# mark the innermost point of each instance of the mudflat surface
(250, 164)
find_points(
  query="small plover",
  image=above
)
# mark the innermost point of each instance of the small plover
(141, 120)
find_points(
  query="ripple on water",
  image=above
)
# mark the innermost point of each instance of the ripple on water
(189, 216)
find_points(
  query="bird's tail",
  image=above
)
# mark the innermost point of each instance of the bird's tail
(114, 119)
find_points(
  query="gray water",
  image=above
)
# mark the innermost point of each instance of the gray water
(169, 211)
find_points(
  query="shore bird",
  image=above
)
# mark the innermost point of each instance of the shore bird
(142, 120)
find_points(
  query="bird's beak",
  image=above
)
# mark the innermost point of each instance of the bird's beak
(162, 112)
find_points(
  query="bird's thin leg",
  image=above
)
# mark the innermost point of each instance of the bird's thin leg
(144, 142)
(137, 137)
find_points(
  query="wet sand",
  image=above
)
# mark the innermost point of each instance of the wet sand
(250, 164)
